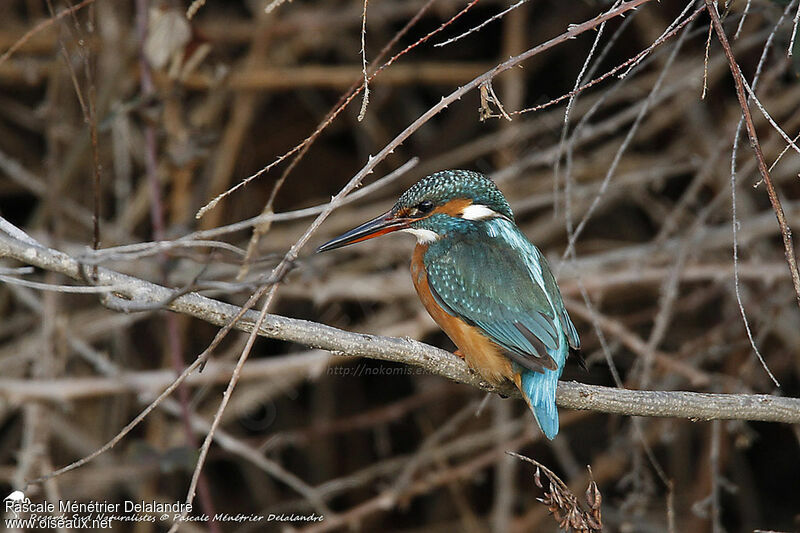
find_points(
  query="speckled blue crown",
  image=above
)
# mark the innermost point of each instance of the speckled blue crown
(451, 184)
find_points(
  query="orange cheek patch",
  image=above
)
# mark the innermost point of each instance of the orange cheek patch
(454, 207)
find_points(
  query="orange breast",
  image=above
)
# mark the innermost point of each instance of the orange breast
(481, 354)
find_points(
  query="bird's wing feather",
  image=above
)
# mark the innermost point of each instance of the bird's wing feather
(569, 329)
(494, 288)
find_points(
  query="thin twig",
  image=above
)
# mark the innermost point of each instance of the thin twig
(734, 220)
(69, 289)
(646, 105)
(795, 23)
(789, 141)
(481, 25)
(210, 205)
(365, 98)
(635, 59)
(41, 26)
(741, 21)
(786, 231)
(571, 33)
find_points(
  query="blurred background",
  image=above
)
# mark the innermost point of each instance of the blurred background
(135, 110)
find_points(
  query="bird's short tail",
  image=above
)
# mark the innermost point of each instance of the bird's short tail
(539, 391)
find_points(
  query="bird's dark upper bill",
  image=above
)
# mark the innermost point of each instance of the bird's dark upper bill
(380, 225)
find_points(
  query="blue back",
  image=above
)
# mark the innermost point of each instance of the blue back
(488, 274)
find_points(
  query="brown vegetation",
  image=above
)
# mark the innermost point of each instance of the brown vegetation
(617, 132)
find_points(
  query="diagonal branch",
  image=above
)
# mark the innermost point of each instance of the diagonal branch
(678, 404)
(786, 231)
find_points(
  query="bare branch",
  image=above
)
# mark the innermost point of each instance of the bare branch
(678, 404)
(573, 31)
(786, 231)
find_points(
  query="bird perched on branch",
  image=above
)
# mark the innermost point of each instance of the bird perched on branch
(484, 283)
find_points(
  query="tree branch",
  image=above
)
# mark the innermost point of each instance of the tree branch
(786, 231)
(572, 395)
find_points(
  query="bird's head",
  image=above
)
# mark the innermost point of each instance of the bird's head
(444, 202)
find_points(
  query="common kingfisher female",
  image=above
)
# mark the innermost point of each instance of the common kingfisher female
(484, 284)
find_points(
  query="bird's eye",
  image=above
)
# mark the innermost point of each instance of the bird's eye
(424, 207)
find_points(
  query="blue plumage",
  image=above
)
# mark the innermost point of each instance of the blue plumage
(539, 389)
(484, 283)
(489, 275)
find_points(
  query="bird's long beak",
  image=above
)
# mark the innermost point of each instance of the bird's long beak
(380, 225)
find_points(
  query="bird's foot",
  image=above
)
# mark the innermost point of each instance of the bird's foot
(458, 353)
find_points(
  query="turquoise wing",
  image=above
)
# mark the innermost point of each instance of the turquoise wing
(506, 290)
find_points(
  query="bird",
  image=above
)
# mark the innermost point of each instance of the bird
(484, 283)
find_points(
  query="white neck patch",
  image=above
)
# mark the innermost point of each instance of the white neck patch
(424, 236)
(479, 212)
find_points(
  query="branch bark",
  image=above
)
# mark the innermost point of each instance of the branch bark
(571, 395)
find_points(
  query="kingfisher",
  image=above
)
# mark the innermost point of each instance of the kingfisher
(484, 283)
